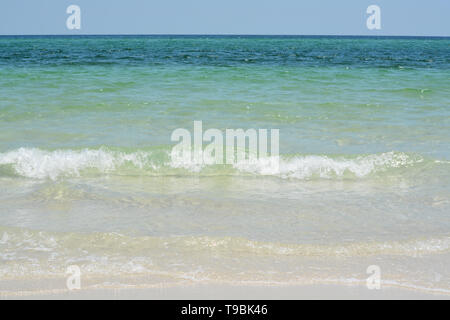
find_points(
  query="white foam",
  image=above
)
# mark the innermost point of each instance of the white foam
(304, 167)
(39, 164)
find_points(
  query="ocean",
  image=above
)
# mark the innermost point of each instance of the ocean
(86, 176)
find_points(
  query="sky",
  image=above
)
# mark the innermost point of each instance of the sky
(298, 17)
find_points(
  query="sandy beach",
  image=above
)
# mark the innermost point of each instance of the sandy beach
(228, 292)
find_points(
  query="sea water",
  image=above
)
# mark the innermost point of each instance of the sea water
(86, 176)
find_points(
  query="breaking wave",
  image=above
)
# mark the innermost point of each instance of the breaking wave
(41, 164)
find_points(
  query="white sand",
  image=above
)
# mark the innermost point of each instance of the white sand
(228, 292)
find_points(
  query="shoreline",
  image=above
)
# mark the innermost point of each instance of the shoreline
(216, 291)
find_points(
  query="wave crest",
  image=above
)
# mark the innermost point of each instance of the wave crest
(40, 164)
(306, 167)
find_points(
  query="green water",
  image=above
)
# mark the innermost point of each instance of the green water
(86, 176)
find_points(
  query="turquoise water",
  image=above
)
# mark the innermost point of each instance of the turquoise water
(86, 177)
(344, 96)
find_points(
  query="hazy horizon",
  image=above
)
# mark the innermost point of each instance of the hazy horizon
(219, 35)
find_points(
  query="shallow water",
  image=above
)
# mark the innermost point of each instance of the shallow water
(86, 177)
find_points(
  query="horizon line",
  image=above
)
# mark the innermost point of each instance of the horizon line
(226, 35)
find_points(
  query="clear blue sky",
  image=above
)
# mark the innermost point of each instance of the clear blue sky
(340, 17)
